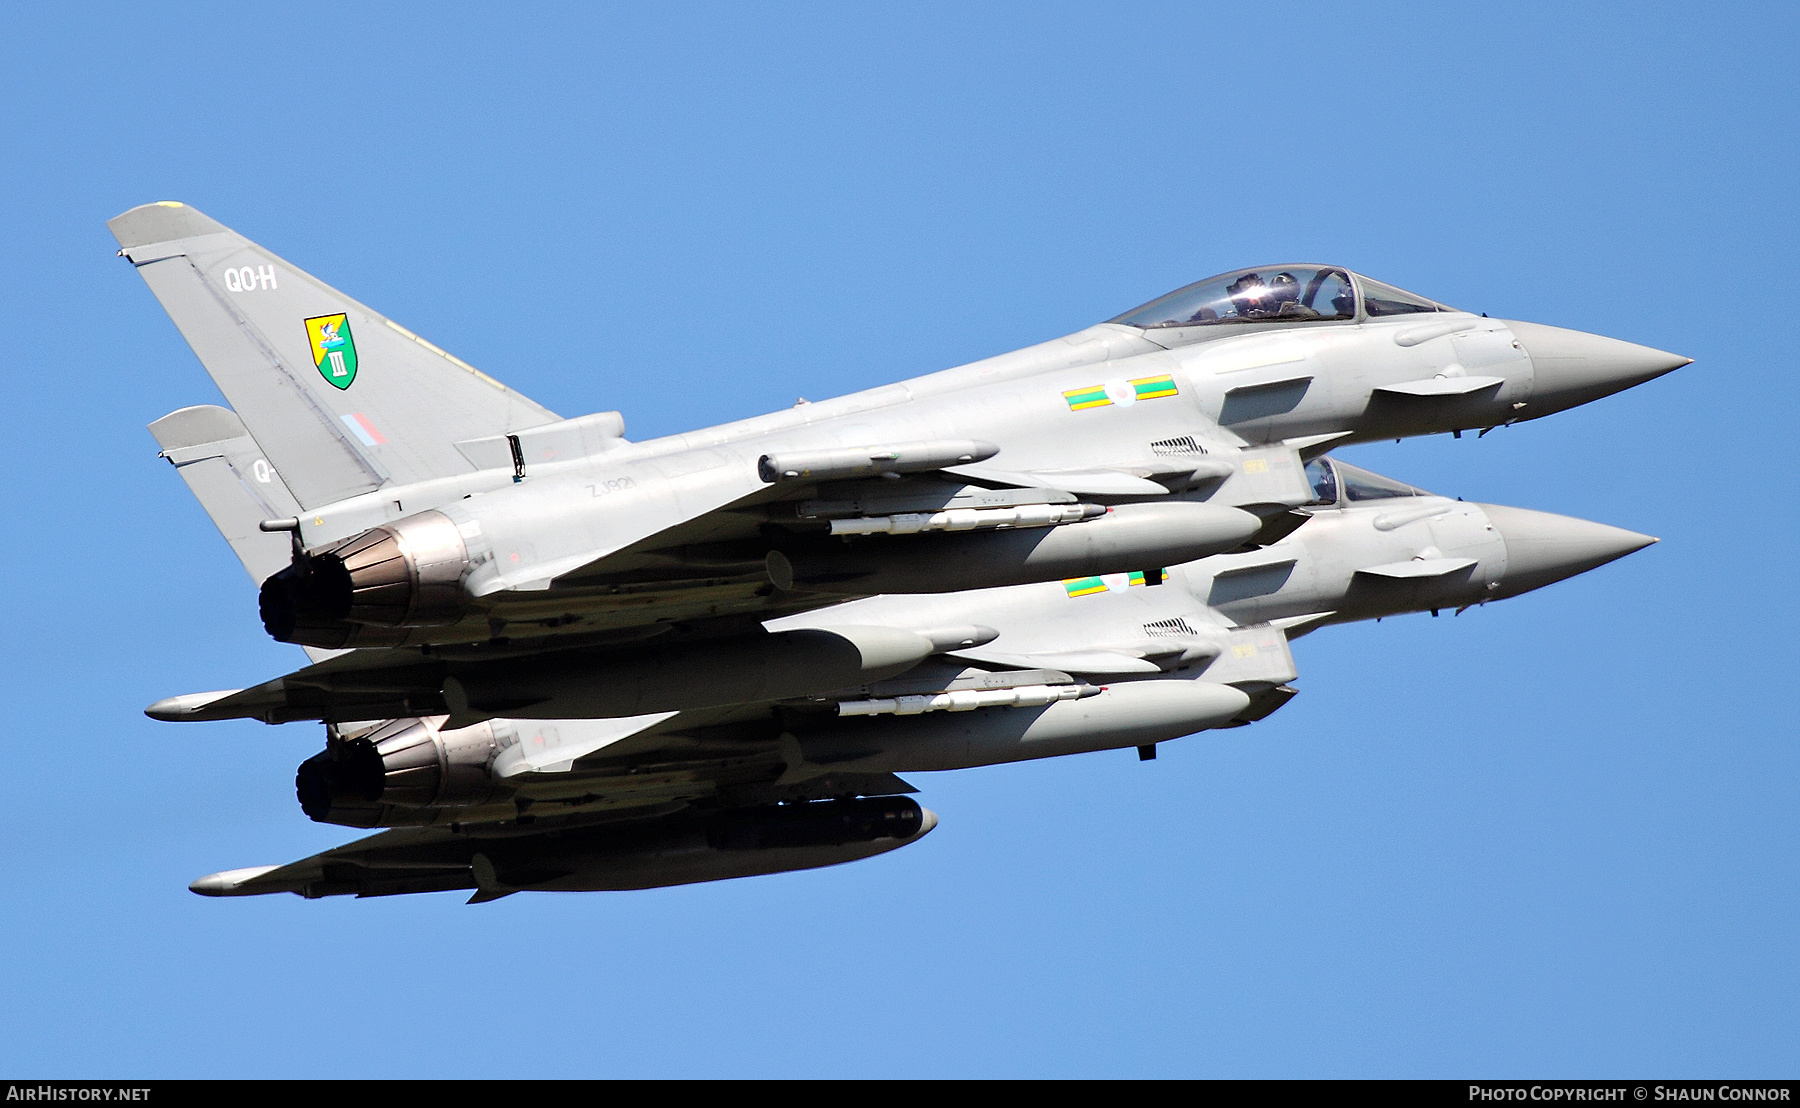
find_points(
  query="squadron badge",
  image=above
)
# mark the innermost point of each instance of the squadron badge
(333, 350)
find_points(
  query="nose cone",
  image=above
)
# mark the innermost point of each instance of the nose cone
(1574, 367)
(1542, 548)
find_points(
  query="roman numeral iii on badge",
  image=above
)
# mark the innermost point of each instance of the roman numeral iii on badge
(333, 350)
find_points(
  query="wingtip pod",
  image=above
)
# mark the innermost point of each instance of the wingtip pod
(186, 707)
(231, 882)
(162, 221)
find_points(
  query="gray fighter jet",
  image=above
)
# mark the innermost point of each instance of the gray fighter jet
(551, 658)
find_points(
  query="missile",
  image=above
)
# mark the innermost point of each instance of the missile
(849, 464)
(965, 700)
(1129, 537)
(1137, 713)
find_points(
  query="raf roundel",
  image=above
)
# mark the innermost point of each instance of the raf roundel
(1121, 392)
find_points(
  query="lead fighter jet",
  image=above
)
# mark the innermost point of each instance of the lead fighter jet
(550, 658)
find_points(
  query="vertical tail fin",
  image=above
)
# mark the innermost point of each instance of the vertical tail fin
(339, 399)
(228, 474)
(226, 471)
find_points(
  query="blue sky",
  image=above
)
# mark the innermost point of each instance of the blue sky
(1556, 836)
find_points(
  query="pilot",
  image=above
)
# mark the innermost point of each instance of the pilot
(1324, 481)
(1343, 297)
(1247, 293)
(1283, 289)
(1284, 298)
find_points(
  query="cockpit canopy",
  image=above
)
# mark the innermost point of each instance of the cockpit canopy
(1336, 482)
(1276, 294)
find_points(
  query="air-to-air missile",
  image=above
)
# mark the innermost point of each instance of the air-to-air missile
(551, 658)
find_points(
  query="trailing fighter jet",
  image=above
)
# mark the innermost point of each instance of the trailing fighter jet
(551, 658)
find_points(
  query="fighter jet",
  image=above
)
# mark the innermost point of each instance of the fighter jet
(1042, 670)
(491, 593)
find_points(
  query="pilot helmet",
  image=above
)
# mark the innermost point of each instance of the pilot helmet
(1247, 293)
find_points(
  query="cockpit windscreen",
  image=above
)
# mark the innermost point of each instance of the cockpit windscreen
(1380, 299)
(1270, 294)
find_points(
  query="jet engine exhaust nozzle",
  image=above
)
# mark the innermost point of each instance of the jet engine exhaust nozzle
(409, 763)
(403, 574)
